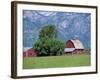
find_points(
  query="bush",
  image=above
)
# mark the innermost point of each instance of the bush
(49, 47)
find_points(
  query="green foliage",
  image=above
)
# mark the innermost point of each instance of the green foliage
(48, 44)
(48, 31)
(49, 47)
(55, 47)
(39, 47)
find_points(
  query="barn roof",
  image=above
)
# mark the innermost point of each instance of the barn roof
(78, 44)
(26, 48)
(69, 49)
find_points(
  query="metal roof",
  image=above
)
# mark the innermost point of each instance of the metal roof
(78, 44)
(26, 48)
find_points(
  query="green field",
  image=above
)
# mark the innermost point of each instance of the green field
(56, 61)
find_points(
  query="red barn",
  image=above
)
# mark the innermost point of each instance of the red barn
(74, 46)
(29, 53)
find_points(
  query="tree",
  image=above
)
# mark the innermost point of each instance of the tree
(49, 47)
(48, 44)
(41, 47)
(48, 31)
(55, 47)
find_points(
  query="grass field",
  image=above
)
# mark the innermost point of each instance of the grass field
(56, 61)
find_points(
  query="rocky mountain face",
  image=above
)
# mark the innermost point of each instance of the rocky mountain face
(70, 25)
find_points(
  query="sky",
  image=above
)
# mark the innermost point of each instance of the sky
(70, 25)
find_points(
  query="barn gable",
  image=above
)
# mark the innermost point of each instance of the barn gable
(74, 46)
(77, 44)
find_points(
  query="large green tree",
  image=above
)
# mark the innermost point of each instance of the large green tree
(48, 44)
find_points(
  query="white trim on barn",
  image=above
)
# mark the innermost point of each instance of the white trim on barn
(69, 49)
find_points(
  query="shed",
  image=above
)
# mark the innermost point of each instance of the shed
(30, 53)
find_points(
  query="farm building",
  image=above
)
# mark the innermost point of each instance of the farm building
(74, 47)
(29, 53)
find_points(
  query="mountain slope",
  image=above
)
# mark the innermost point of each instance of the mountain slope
(70, 25)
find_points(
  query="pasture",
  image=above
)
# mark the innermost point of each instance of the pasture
(56, 61)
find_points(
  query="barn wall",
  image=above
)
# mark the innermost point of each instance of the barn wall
(69, 44)
(30, 53)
